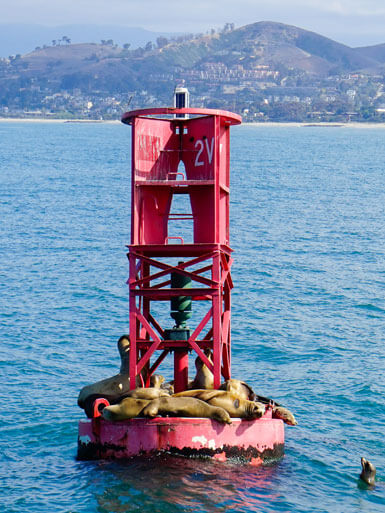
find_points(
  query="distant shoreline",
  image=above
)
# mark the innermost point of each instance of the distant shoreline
(306, 124)
(302, 124)
(57, 120)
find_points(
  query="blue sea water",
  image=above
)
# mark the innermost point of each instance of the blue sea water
(307, 227)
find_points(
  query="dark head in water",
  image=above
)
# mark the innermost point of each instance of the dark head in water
(368, 472)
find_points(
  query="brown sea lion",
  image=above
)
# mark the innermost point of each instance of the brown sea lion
(168, 386)
(128, 408)
(124, 352)
(156, 380)
(368, 472)
(185, 407)
(149, 393)
(204, 378)
(235, 406)
(238, 388)
(112, 388)
(279, 412)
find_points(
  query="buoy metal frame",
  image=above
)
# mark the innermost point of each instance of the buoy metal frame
(161, 139)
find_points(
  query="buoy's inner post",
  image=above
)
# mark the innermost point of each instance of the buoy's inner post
(180, 370)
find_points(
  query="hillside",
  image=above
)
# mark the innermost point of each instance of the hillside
(376, 52)
(21, 38)
(233, 65)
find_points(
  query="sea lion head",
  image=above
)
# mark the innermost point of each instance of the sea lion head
(368, 472)
(254, 410)
(124, 351)
(198, 362)
(279, 412)
(156, 380)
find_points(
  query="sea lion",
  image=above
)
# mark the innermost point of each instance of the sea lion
(112, 388)
(204, 378)
(235, 406)
(168, 386)
(156, 380)
(238, 388)
(279, 412)
(124, 352)
(368, 472)
(185, 407)
(147, 393)
(128, 408)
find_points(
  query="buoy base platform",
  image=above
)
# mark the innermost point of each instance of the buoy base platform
(250, 440)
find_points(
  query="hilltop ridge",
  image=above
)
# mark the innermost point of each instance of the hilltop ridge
(248, 67)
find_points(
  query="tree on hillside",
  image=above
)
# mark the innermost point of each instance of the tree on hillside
(228, 27)
(161, 41)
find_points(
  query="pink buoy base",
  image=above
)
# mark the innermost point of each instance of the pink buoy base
(252, 440)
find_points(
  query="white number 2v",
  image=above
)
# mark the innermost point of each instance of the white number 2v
(209, 148)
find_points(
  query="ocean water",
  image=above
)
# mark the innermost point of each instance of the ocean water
(307, 229)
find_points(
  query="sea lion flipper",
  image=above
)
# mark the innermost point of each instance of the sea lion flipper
(207, 395)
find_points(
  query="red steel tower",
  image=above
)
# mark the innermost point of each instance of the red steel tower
(163, 268)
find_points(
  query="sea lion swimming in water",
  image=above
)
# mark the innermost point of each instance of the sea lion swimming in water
(185, 407)
(235, 406)
(368, 472)
(204, 378)
(128, 408)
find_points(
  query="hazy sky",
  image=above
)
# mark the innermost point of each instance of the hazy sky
(353, 22)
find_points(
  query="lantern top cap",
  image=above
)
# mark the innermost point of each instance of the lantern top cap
(228, 118)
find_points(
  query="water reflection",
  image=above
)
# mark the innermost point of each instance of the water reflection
(175, 484)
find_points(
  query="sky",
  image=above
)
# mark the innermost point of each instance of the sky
(353, 22)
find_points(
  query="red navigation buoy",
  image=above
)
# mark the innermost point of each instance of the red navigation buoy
(164, 268)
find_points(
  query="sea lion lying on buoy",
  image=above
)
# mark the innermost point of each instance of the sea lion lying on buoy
(204, 378)
(185, 407)
(128, 408)
(368, 472)
(279, 412)
(238, 388)
(112, 388)
(243, 390)
(168, 386)
(149, 393)
(235, 406)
